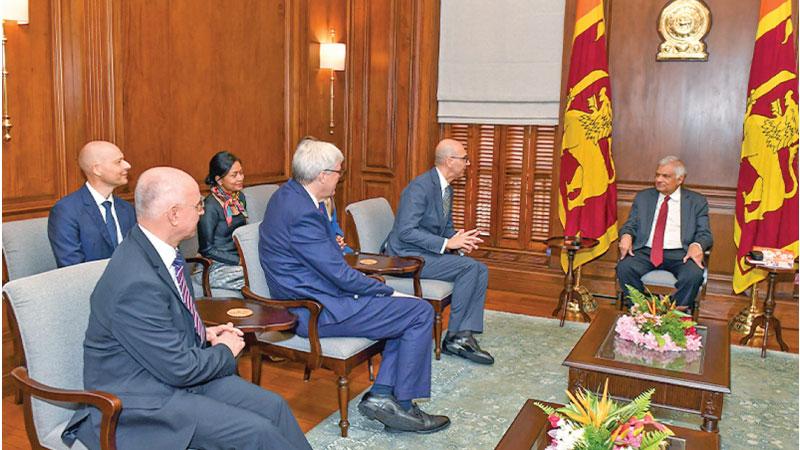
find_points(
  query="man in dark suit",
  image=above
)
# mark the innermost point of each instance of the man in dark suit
(667, 229)
(301, 259)
(89, 223)
(424, 227)
(146, 344)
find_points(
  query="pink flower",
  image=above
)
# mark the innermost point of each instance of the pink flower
(553, 419)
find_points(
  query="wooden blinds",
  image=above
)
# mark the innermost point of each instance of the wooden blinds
(506, 193)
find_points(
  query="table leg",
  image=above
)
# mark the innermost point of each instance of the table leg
(757, 322)
(569, 286)
(710, 425)
(255, 358)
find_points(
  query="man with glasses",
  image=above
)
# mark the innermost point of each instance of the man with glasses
(301, 259)
(424, 227)
(146, 343)
(89, 223)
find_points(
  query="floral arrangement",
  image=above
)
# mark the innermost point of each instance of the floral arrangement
(656, 324)
(590, 422)
(630, 352)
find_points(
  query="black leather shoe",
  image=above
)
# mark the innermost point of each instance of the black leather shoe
(466, 347)
(386, 410)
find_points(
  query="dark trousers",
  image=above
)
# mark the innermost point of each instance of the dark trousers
(406, 324)
(690, 276)
(234, 413)
(470, 279)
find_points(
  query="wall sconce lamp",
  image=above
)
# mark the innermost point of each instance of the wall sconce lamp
(332, 56)
(16, 11)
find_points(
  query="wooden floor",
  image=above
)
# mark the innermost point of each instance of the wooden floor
(315, 400)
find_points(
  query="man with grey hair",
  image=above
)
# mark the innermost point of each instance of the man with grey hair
(146, 343)
(301, 259)
(89, 223)
(667, 229)
(424, 227)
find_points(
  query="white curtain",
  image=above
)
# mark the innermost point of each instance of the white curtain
(500, 61)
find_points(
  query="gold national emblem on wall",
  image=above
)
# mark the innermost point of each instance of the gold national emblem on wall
(683, 24)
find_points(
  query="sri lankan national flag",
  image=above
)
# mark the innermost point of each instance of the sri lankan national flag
(766, 201)
(587, 203)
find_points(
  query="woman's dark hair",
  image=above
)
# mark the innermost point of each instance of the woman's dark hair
(219, 166)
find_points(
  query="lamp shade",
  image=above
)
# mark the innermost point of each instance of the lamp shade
(331, 56)
(14, 10)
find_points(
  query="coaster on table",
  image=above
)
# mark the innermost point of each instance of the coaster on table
(240, 312)
(368, 261)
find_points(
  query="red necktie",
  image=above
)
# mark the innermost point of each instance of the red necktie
(657, 250)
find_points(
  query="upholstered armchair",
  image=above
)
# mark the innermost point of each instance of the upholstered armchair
(339, 354)
(51, 310)
(374, 220)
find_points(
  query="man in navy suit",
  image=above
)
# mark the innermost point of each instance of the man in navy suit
(424, 227)
(667, 229)
(89, 223)
(301, 259)
(146, 344)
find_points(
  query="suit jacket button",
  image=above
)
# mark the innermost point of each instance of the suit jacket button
(355, 297)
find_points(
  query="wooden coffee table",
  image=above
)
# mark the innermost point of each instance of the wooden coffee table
(264, 318)
(695, 384)
(529, 431)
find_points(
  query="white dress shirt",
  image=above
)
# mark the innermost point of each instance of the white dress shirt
(672, 231)
(166, 252)
(98, 198)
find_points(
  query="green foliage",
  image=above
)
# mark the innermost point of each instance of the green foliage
(651, 439)
(547, 409)
(596, 439)
(636, 408)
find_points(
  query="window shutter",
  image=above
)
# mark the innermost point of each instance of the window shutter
(543, 150)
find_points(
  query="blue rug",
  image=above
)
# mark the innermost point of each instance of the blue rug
(761, 413)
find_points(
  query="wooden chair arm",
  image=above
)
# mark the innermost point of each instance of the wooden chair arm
(314, 307)
(375, 276)
(109, 404)
(206, 263)
(417, 283)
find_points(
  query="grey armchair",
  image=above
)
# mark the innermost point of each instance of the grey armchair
(52, 312)
(26, 248)
(374, 220)
(339, 354)
(257, 198)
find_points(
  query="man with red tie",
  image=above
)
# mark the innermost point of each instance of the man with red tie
(667, 229)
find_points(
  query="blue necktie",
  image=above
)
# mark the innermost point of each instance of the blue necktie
(111, 224)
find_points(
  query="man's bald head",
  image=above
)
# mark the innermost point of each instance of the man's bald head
(445, 149)
(168, 204)
(104, 165)
(159, 188)
(451, 159)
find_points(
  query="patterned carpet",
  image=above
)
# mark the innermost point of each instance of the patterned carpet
(762, 411)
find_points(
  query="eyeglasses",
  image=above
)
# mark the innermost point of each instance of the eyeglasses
(199, 206)
(464, 158)
(340, 171)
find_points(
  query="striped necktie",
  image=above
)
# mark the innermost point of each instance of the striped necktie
(186, 296)
(447, 200)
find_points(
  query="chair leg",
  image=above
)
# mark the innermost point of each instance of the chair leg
(437, 334)
(344, 394)
(306, 374)
(255, 362)
(371, 369)
(620, 301)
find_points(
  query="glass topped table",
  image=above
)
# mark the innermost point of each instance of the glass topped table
(685, 382)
